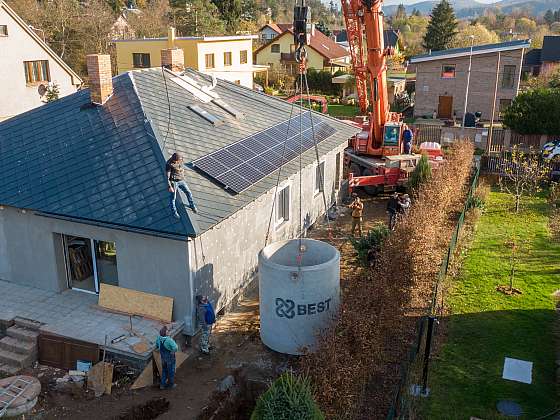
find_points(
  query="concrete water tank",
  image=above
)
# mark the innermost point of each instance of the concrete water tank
(297, 300)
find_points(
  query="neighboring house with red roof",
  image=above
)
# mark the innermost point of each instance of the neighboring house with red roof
(322, 52)
(271, 30)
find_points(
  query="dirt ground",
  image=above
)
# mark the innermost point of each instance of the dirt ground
(237, 351)
(337, 232)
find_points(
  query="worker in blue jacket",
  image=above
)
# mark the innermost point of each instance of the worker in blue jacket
(407, 140)
(206, 318)
(167, 348)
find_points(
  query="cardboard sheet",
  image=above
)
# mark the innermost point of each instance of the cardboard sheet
(146, 378)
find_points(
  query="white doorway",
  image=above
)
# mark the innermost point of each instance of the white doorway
(89, 262)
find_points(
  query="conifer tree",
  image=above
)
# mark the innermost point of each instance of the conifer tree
(442, 27)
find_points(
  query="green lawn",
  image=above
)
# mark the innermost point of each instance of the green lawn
(343, 110)
(485, 326)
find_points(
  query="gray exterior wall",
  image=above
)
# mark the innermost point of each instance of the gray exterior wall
(219, 263)
(224, 259)
(30, 254)
(430, 85)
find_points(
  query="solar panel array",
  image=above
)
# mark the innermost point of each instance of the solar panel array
(242, 164)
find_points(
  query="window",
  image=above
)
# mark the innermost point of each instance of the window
(337, 173)
(90, 262)
(448, 71)
(141, 60)
(508, 77)
(209, 60)
(37, 71)
(243, 57)
(283, 205)
(3, 30)
(504, 103)
(227, 59)
(275, 48)
(319, 178)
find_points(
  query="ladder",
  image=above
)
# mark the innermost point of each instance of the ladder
(12, 392)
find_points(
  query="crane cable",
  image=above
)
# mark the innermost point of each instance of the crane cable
(301, 57)
(282, 162)
(321, 173)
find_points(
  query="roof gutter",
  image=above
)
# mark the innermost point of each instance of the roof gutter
(113, 226)
(424, 58)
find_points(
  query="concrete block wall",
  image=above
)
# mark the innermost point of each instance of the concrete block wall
(31, 255)
(430, 85)
(224, 259)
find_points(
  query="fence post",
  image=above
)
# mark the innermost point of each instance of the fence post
(431, 321)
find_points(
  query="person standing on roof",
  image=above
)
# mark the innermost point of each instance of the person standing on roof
(167, 348)
(407, 140)
(357, 209)
(206, 318)
(175, 172)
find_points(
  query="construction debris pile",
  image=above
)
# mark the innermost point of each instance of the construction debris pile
(357, 366)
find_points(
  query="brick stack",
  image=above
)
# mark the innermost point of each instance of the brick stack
(173, 59)
(100, 77)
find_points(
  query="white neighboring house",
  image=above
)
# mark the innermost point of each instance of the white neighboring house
(27, 66)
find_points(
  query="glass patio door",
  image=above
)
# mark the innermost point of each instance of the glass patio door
(90, 262)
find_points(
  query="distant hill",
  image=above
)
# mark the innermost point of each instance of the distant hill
(468, 8)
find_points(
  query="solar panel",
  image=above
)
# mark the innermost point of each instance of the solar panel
(242, 164)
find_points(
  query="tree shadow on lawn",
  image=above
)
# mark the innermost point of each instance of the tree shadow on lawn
(466, 373)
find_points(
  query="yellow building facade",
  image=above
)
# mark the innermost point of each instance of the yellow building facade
(225, 57)
(322, 54)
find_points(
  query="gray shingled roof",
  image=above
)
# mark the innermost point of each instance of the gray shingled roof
(105, 164)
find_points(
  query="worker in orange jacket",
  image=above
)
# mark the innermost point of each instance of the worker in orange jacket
(357, 209)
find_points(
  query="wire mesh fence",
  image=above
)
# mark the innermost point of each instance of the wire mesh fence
(413, 383)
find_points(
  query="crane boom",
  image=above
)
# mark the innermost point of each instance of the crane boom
(364, 22)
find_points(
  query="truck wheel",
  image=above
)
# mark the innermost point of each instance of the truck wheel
(372, 189)
(355, 169)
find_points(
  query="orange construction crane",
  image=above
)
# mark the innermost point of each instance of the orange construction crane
(375, 157)
(364, 22)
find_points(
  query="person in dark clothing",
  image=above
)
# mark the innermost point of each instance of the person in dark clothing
(167, 348)
(470, 120)
(175, 172)
(407, 140)
(393, 209)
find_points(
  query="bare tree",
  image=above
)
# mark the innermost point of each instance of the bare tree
(522, 174)
(153, 21)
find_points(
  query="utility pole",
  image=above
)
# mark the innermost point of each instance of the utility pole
(468, 81)
(489, 140)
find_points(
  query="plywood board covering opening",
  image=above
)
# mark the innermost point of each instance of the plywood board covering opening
(135, 302)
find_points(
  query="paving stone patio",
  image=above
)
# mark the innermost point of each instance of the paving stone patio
(75, 315)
